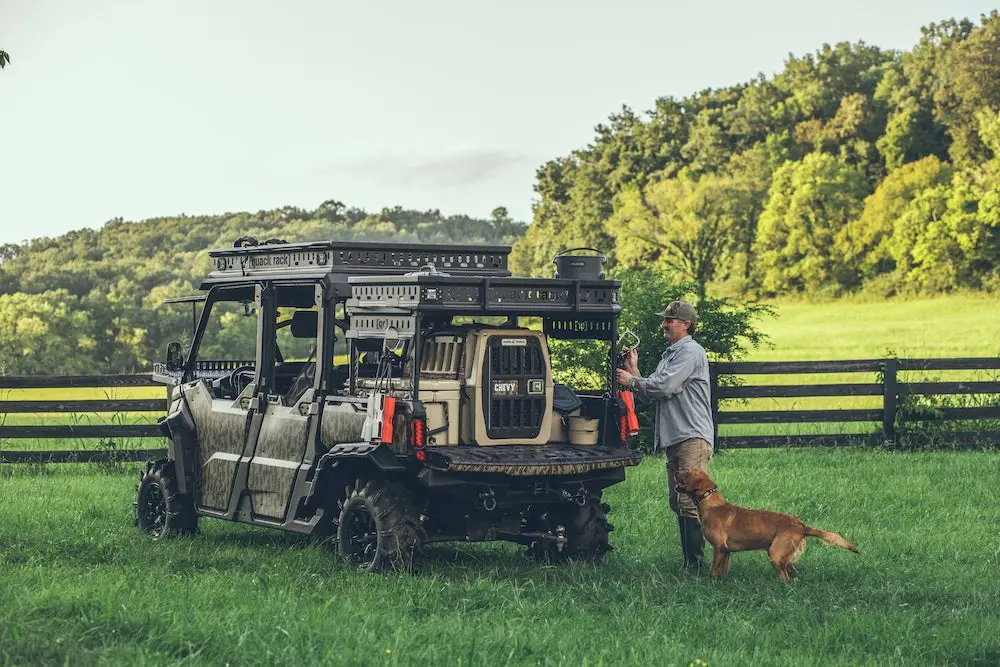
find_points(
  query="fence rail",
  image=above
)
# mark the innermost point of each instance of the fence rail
(108, 432)
(889, 387)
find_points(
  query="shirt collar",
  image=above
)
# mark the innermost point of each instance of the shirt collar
(683, 341)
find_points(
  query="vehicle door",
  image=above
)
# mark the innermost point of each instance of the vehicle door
(288, 402)
(221, 400)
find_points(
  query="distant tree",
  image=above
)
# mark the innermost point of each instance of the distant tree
(500, 216)
(969, 81)
(691, 227)
(809, 206)
(869, 237)
(4, 58)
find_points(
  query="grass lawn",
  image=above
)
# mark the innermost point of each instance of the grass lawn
(81, 585)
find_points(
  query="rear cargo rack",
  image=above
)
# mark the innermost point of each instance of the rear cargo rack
(484, 295)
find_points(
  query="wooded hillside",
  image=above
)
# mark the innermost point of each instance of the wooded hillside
(91, 301)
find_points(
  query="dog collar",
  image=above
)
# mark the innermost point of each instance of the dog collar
(705, 495)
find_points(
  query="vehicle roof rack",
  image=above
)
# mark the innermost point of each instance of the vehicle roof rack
(318, 259)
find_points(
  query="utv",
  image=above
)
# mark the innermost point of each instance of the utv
(390, 395)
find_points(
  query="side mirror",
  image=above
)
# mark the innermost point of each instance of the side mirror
(175, 361)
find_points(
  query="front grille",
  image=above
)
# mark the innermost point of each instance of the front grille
(514, 380)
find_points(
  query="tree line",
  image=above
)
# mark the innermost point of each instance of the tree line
(852, 169)
(92, 301)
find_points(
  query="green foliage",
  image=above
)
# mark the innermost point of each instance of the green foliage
(697, 226)
(803, 223)
(757, 188)
(43, 334)
(91, 301)
(579, 364)
(4, 58)
(879, 239)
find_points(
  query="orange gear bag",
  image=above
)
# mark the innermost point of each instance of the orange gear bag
(631, 420)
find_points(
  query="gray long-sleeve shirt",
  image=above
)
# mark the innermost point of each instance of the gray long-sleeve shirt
(681, 389)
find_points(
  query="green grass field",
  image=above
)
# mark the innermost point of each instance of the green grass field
(947, 326)
(81, 585)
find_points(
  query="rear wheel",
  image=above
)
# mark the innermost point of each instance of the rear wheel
(160, 509)
(378, 529)
(586, 529)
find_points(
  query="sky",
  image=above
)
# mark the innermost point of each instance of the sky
(132, 109)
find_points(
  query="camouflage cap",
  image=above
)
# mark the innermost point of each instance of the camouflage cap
(680, 310)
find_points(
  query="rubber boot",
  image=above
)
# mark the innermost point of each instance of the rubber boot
(692, 545)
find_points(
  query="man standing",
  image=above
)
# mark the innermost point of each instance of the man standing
(683, 427)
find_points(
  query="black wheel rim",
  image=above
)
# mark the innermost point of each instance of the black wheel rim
(154, 510)
(361, 535)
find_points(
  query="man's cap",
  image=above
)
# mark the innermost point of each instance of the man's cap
(680, 310)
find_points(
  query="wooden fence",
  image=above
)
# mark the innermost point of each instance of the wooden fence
(885, 382)
(110, 433)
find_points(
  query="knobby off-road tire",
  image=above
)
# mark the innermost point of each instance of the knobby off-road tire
(160, 509)
(379, 529)
(586, 529)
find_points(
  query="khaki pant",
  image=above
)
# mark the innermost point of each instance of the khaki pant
(693, 454)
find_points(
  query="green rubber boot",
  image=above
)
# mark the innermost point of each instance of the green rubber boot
(692, 545)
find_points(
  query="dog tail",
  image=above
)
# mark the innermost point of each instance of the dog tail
(833, 539)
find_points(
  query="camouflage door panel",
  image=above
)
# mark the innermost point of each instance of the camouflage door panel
(221, 429)
(280, 449)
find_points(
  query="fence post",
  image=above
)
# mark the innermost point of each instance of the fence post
(713, 376)
(889, 390)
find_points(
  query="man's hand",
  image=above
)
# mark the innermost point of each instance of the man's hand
(623, 376)
(632, 361)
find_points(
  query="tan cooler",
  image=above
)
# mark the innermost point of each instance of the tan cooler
(583, 430)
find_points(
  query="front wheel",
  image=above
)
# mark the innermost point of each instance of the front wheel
(160, 509)
(378, 528)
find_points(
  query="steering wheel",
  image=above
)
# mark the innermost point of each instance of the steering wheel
(240, 377)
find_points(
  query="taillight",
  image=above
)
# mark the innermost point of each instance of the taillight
(418, 437)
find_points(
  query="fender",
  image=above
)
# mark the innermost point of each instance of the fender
(182, 446)
(379, 455)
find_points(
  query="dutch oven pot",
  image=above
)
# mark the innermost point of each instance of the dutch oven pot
(580, 266)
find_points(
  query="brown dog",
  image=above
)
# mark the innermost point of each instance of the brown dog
(730, 528)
